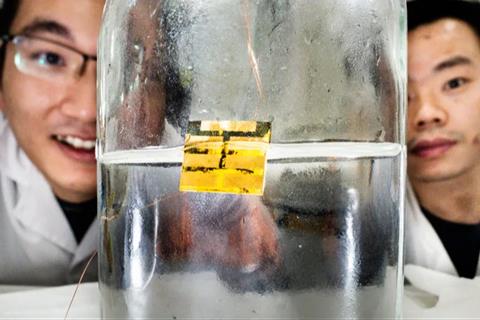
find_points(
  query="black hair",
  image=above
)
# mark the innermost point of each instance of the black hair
(422, 12)
(8, 11)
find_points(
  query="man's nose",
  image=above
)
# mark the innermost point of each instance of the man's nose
(80, 102)
(428, 112)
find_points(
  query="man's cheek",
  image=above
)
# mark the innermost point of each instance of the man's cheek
(409, 135)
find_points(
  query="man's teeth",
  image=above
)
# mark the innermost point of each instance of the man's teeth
(77, 142)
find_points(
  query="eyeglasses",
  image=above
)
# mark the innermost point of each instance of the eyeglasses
(47, 59)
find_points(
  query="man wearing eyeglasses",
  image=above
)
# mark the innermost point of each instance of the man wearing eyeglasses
(47, 139)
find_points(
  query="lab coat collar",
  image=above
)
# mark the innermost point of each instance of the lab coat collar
(14, 163)
(87, 246)
(35, 206)
(423, 245)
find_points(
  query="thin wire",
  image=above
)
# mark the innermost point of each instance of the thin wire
(79, 282)
(251, 53)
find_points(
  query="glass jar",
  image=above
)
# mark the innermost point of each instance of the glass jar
(251, 158)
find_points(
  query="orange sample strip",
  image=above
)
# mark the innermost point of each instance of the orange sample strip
(225, 156)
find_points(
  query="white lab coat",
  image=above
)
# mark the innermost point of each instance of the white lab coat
(37, 246)
(423, 246)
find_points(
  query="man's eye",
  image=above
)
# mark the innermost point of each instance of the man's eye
(410, 96)
(455, 83)
(48, 59)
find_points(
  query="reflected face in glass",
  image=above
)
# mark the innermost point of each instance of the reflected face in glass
(142, 114)
(48, 94)
(234, 234)
(443, 101)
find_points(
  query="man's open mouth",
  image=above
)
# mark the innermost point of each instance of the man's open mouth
(76, 142)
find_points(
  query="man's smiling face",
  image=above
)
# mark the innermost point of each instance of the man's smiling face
(443, 100)
(55, 121)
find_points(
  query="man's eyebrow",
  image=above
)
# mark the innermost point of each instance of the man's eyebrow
(452, 62)
(46, 25)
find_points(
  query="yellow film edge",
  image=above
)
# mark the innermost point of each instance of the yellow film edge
(228, 158)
